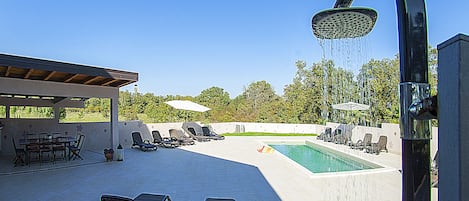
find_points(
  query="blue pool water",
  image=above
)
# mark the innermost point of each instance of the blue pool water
(321, 160)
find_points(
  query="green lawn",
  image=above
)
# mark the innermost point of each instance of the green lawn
(268, 134)
(86, 117)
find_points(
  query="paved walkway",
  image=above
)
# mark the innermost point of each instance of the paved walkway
(228, 168)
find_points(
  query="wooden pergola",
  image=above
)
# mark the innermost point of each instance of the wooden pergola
(26, 81)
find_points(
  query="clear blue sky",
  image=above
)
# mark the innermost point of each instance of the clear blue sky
(181, 47)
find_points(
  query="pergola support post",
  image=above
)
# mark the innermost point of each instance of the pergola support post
(114, 121)
(453, 140)
(56, 114)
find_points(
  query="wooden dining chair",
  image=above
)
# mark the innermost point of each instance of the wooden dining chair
(74, 150)
(32, 147)
(45, 147)
(57, 146)
(20, 154)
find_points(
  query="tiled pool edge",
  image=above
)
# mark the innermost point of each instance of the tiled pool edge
(380, 169)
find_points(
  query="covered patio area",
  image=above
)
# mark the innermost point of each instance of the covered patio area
(54, 85)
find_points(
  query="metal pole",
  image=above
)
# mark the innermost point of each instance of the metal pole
(414, 87)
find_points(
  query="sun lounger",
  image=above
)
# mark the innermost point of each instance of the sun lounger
(164, 141)
(195, 131)
(219, 199)
(115, 198)
(212, 135)
(138, 142)
(181, 138)
(141, 197)
(334, 135)
(379, 146)
(341, 137)
(152, 197)
(329, 136)
(199, 138)
(361, 144)
(327, 132)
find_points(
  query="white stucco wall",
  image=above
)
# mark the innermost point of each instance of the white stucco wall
(233, 127)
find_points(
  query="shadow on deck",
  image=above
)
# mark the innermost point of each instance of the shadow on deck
(182, 174)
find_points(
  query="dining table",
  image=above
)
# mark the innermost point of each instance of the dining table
(64, 141)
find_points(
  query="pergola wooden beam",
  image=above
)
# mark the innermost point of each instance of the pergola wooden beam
(69, 79)
(7, 72)
(49, 75)
(108, 83)
(28, 74)
(92, 80)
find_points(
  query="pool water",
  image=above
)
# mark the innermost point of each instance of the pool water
(321, 160)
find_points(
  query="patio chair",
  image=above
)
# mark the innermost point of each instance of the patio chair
(164, 141)
(58, 146)
(20, 154)
(212, 135)
(378, 146)
(46, 146)
(142, 145)
(361, 144)
(74, 150)
(37, 145)
(32, 147)
(182, 139)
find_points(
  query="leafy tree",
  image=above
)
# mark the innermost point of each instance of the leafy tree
(241, 110)
(158, 112)
(304, 98)
(255, 98)
(218, 100)
(382, 78)
(2, 111)
(433, 69)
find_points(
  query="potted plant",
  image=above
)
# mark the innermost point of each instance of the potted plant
(109, 154)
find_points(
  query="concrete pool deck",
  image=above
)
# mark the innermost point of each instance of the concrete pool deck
(228, 168)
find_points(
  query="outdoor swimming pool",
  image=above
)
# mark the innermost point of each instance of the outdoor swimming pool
(318, 159)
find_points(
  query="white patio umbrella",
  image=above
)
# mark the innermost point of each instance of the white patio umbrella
(187, 105)
(350, 106)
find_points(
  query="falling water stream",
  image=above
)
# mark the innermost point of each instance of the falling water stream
(348, 54)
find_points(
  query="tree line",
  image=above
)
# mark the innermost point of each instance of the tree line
(308, 99)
